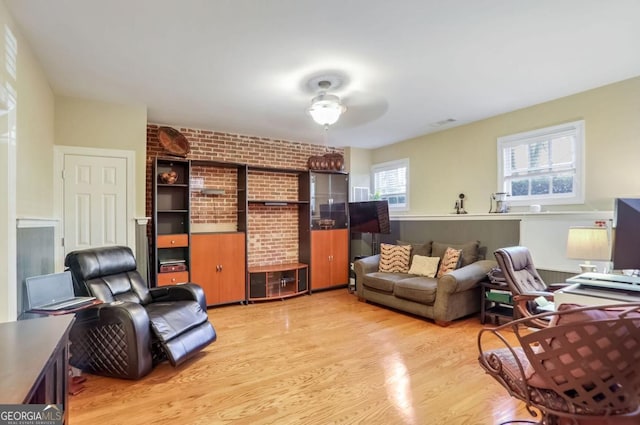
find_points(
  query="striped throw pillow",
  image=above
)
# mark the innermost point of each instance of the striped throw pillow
(450, 261)
(394, 258)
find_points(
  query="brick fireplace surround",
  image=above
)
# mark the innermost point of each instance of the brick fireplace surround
(273, 231)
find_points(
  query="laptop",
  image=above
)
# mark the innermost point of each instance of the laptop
(53, 292)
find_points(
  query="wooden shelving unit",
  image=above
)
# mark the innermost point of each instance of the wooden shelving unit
(217, 261)
(325, 226)
(171, 221)
(277, 281)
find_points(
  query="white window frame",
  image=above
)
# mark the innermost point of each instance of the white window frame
(576, 129)
(391, 165)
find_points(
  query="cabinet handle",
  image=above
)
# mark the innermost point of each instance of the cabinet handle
(173, 242)
(173, 280)
(220, 267)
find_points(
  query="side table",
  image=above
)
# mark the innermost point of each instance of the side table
(76, 381)
(495, 303)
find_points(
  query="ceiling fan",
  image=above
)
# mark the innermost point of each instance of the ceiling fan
(327, 108)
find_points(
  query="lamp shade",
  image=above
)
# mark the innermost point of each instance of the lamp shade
(325, 109)
(588, 243)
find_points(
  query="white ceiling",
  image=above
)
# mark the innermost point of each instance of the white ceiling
(242, 66)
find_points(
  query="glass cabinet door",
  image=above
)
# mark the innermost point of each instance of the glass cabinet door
(329, 197)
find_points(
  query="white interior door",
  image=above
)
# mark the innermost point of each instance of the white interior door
(95, 201)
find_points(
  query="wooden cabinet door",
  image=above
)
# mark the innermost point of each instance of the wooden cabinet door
(203, 265)
(329, 258)
(231, 258)
(320, 265)
(218, 265)
(339, 256)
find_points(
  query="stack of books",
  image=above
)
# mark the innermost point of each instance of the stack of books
(172, 265)
(501, 296)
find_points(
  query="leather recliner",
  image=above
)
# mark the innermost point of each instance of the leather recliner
(135, 327)
(524, 281)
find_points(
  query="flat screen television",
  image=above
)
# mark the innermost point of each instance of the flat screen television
(626, 234)
(369, 217)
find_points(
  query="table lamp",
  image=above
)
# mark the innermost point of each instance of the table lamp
(588, 243)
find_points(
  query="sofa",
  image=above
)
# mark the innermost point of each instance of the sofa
(455, 294)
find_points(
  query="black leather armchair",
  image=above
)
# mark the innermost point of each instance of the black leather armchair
(136, 327)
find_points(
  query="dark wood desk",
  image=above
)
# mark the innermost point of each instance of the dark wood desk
(34, 360)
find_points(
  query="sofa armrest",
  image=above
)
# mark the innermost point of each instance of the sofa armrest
(365, 266)
(465, 277)
(182, 292)
(112, 339)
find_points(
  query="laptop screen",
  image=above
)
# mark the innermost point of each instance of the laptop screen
(49, 288)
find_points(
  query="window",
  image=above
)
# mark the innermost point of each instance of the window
(391, 182)
(545, 165)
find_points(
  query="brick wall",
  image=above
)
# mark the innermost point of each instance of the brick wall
(272, 230)
(216, 209)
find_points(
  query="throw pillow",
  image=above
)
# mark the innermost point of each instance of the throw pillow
(450, 261)
(394, 258)
(424, 266)
(417, 248)
(470, 251)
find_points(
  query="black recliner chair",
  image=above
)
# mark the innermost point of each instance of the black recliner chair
(136, 327)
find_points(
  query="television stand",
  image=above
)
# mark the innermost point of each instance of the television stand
(375, 243)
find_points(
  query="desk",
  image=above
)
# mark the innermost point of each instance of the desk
(597, 294)
(76, 383)
(34, 360)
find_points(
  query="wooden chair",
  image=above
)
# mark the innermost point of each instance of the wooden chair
(584, 368)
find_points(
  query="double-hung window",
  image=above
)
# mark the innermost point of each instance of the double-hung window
(543, 166)
(390, 181)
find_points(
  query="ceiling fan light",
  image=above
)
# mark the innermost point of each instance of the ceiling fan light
(326, 109)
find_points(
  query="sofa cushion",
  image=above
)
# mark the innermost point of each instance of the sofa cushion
(383, 281)
(450, 261)
(417, 248)
(424, 266)
(469, 251)
(419, 289)
(394, 258)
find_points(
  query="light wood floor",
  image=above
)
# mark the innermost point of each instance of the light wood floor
(319, 359)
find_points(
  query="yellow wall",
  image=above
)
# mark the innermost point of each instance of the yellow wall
(358, 163)
(35, 139)
(26, 138)
(89, 123)
(464, 159)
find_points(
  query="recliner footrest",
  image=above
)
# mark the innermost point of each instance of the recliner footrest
(170, 319)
